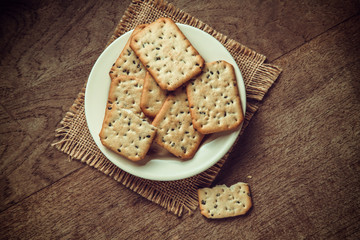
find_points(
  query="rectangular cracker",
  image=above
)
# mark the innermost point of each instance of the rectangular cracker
(214, 99)
(125, 92)
(222, 201)
(128, 63)
(152, 97)
(125, 133)
(167, 54)
(175, 131)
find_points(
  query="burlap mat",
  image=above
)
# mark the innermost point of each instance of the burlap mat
(74, 139)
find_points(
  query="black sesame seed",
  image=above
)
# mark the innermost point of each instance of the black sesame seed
(183, 148)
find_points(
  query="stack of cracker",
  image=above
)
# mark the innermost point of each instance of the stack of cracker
(160, 77)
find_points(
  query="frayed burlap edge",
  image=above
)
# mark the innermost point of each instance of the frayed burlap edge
(259, 83)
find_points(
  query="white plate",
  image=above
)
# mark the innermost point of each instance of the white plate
(160, 166)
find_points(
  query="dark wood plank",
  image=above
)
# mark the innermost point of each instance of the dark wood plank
(271, 27)
(27, 164)
(86, 205)
(46, 60)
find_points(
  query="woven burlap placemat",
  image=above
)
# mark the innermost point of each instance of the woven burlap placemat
(74, 139)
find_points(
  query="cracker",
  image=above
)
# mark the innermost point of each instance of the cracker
(128, 63)
(152, 97)
(175, 131)
(125, 133)
(222, 201)
(214, 99)
(167, 54)
(125, 92)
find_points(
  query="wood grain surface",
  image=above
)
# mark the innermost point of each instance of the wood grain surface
(301, 149)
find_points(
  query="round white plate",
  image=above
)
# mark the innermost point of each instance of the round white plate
(160, 165)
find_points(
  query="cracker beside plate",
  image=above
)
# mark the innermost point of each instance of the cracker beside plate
(222, 201)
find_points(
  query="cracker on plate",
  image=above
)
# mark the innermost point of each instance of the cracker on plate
(128, 63)
(125, 92)
(214, 99)
(125, 133)
(167, 54)
(175, 131)
(152, 97)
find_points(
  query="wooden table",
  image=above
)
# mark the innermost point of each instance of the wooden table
(302, 148)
